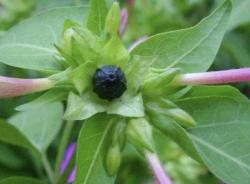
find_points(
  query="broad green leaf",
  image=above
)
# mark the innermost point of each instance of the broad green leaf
(192, 49)
(29, 45)
(39, 126)
(240, 14)
(54, 95)
(222, 135)
(91, 150)
(97, 14)
(20, 180)
(10, 134)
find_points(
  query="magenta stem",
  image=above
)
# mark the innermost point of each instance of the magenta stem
(217, 77)
(159, 173)
(124, 21)
(10, 87)
(137, 42)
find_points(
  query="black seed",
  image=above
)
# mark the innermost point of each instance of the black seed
(109, 82)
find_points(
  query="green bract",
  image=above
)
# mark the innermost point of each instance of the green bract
(83, 51)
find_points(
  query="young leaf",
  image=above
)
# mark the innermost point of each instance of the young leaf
(39, 126)
(90, 152)
(54, 95)
(30, 44)
(20, 180)
(222, 135)
(192, 49)
(97, 14)
(112, 23)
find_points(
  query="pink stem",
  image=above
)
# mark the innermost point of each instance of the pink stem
(217, 77)
(137, 42)
(10, 87)
(124, 21)
(160, 174)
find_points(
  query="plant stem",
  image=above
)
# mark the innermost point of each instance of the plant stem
(48, 168)
(63, 145)
(217, 77)
(157, 169)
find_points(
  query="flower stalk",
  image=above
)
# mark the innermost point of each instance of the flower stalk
(137, 42)
(11, 87)
(155, 164)
(124, 21)
(216, 77)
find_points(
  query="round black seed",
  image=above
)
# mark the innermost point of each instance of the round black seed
(109, 82)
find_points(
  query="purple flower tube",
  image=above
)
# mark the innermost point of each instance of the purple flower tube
(159, 173)
(11, 87)
(217, 77)
(124, 21)
(68, 155)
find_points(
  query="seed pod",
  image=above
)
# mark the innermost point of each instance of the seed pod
(113, 160)
(181, 117)
(139, 133)
(109, 82)
(172, 111)
(119, 134)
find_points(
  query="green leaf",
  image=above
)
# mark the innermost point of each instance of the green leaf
(222, 135)
(20, 180)
(128, 106)
(192, 49)
(82, 76)
(39, 126)
(90, 152)
(89, 104)
(29, 45)
(114, 53)
(83, 107)
(112, 23)
(240, 14)
(10, 134)
(136, 71)
(97, 14)
(54, 95)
